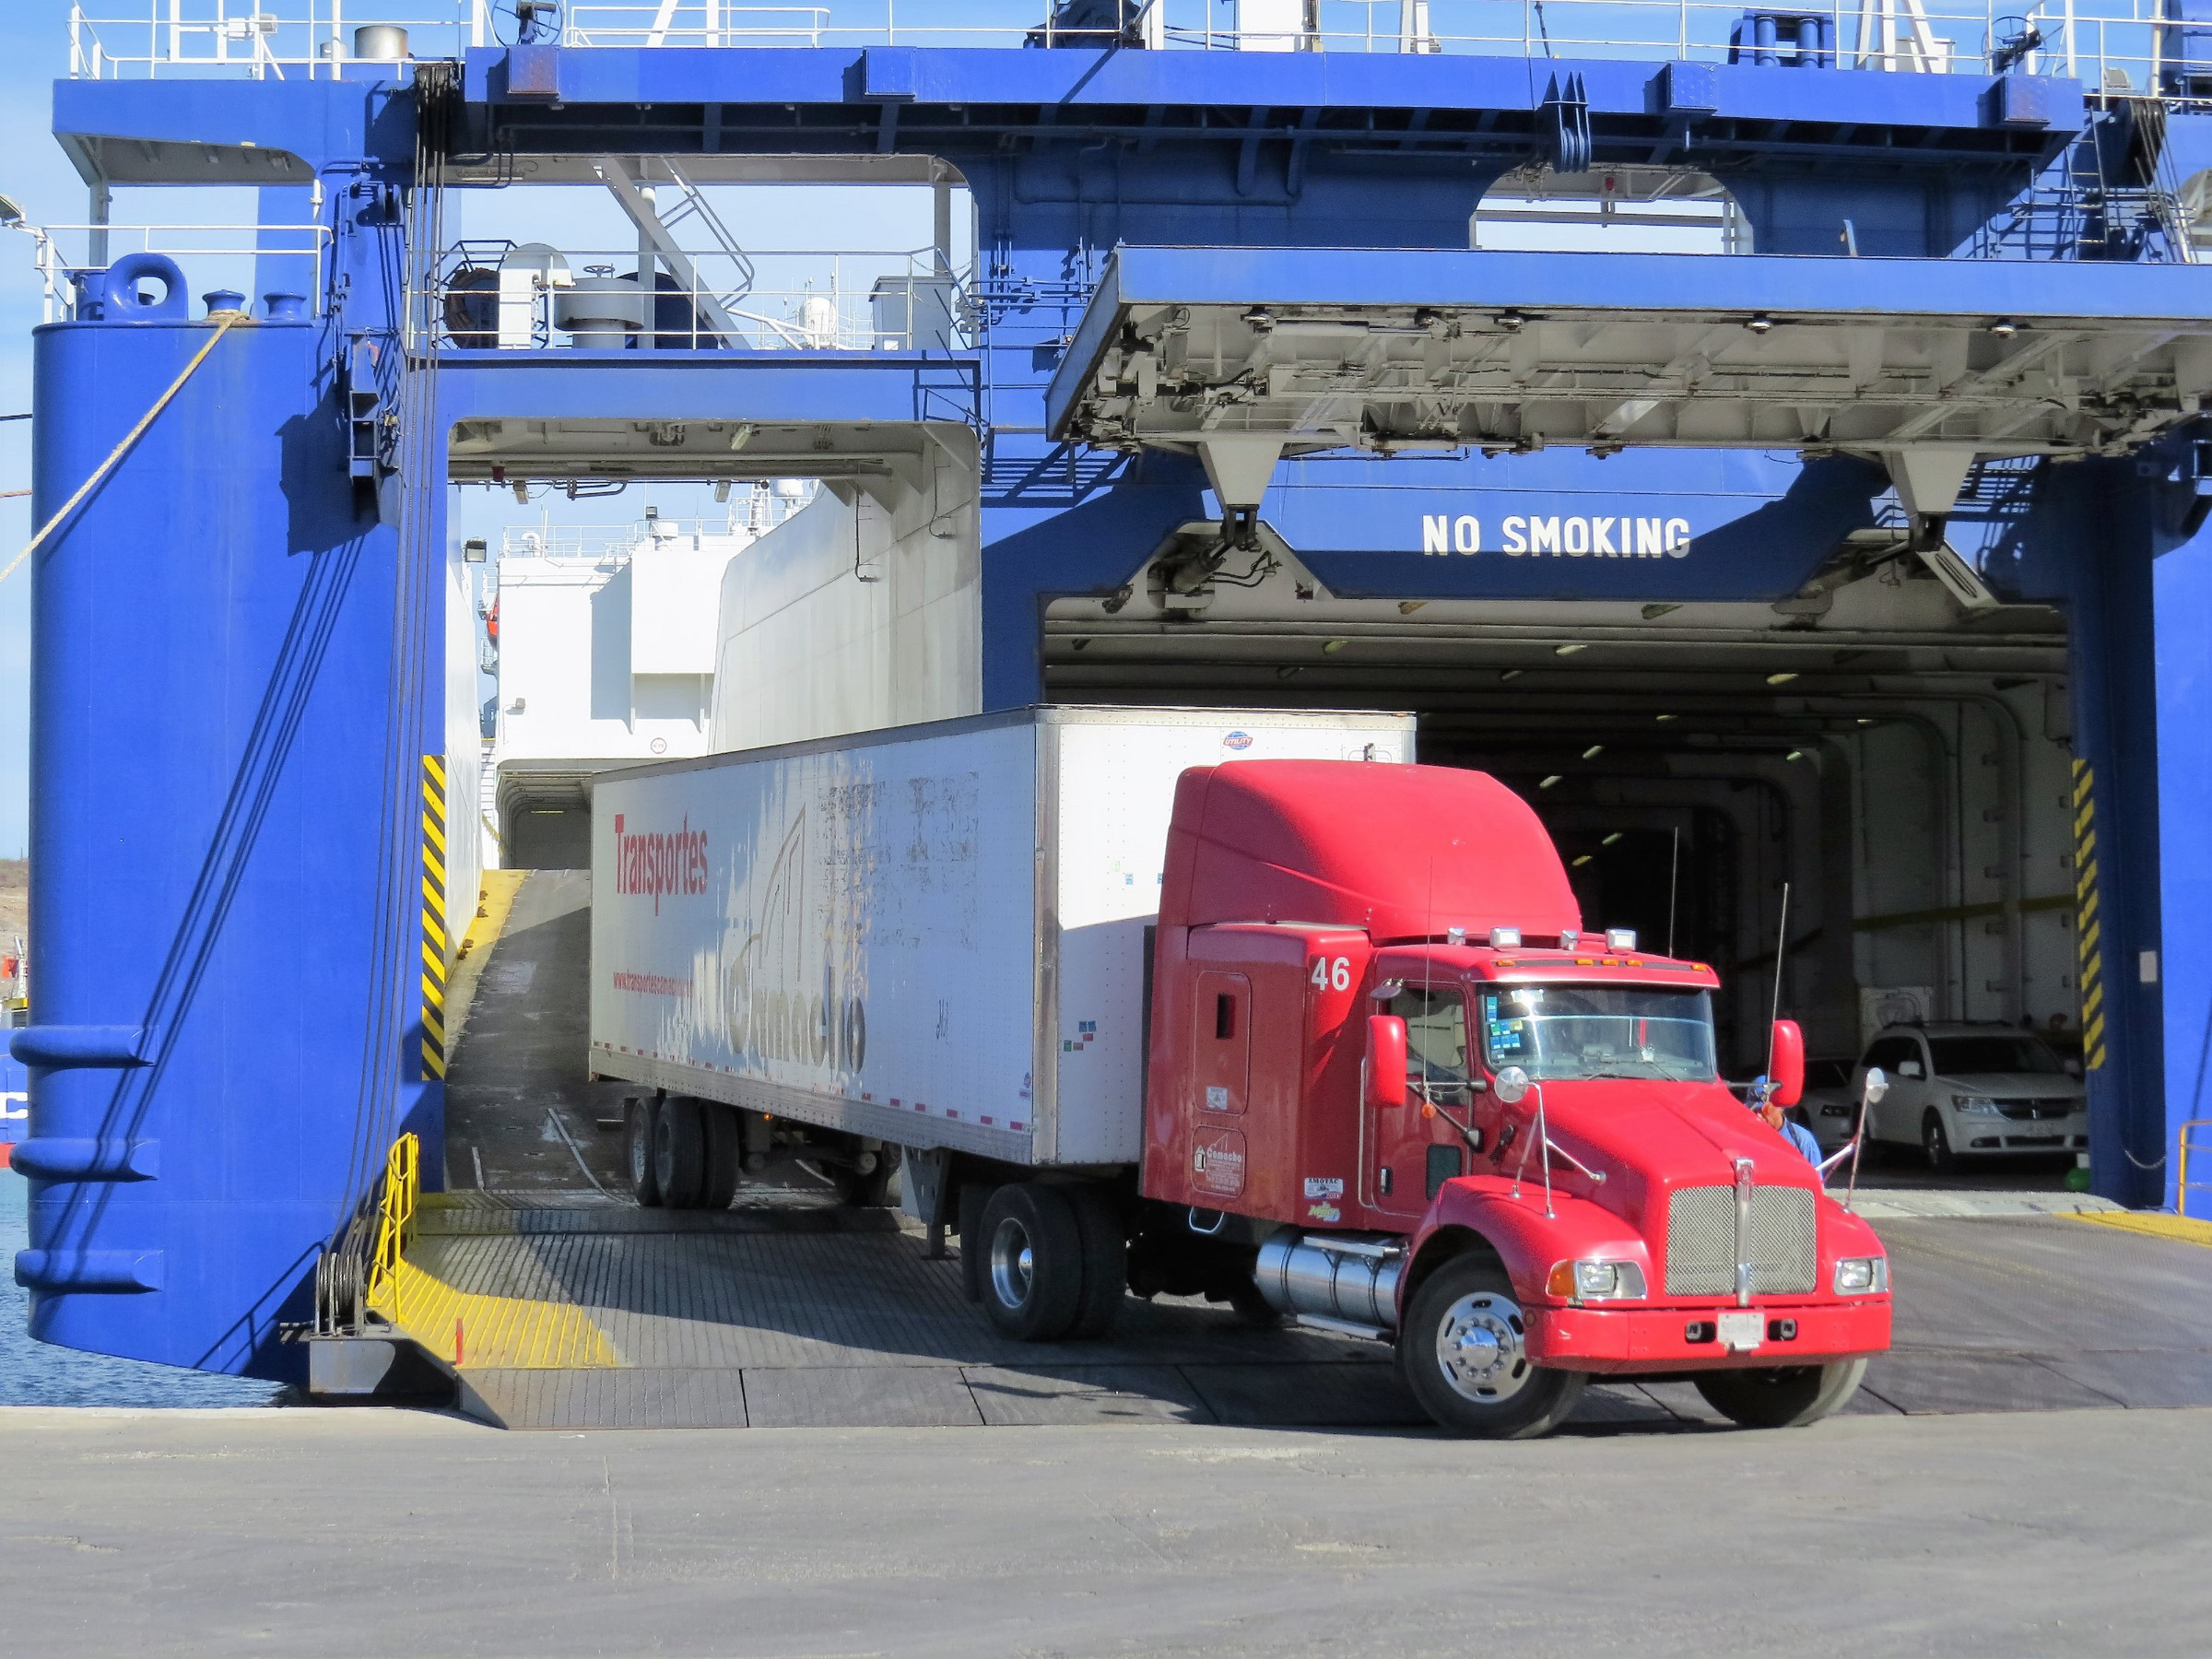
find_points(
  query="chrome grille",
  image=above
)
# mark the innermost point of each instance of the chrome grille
(1782, 1245)
(2038, 1110)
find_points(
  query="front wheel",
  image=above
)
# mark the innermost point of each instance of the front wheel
(1465, 1354)
(1936, 1144)
(1789, 1398)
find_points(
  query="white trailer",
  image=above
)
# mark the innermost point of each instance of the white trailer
(929, 938)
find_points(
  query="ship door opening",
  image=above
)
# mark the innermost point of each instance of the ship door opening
(1902, 765)
(650, 575)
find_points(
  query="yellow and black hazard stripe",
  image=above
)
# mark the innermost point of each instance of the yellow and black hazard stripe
(435, 951)
(2087, 928)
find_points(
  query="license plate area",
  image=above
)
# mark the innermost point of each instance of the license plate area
(1739, 1332)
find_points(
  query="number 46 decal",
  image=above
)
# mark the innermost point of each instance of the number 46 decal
(1332, 973)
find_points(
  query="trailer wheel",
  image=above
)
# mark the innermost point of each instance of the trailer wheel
(1032, 1262)
(723, 1142)
(1788, 1398)
(1105, 1261)
(636, 1134)
(1463, 1354)
(679, 1152)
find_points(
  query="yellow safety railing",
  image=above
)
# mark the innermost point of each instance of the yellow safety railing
(2183, 1183)
(394, 1224)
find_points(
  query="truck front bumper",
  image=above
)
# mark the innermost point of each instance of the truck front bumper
(1611, 1340)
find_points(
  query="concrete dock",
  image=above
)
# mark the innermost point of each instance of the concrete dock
(344, 1533)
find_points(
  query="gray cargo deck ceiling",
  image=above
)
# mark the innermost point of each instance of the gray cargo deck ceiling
(1387, 349)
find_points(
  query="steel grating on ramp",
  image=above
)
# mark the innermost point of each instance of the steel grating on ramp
(588, 1313)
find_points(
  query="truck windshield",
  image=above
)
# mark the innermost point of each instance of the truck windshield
(1565, 1031)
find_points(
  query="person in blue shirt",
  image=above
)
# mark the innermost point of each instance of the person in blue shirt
(1780, 1121)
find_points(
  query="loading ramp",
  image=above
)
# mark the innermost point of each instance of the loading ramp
(584, 1313)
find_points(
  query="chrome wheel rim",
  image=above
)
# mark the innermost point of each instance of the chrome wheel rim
(1931, 1140)
(1012, 1263)
(1481, 1348)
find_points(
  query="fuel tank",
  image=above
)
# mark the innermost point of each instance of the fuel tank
(1352, 1278)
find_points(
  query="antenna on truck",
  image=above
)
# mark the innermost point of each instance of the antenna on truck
(1673, 871)
(1781, 945)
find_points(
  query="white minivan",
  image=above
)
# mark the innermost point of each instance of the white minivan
(1963, 1091)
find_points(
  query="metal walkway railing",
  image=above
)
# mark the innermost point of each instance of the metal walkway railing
(2183, 1186)
(361, 1266)
(2118, 46)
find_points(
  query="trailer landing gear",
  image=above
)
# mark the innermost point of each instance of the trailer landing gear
(1463, 1354)
(865, 1183)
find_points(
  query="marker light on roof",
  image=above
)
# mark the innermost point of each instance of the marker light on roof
(1621, 938)
(1505, 938)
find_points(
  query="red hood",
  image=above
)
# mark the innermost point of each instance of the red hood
(1651, 1137)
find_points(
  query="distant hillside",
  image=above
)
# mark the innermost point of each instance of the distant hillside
(14, 901)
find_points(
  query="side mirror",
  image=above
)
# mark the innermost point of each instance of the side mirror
(1512, 1085)
(1787, 1073)
(1875, 1086)
(1908, 1068)
(1385, 1081)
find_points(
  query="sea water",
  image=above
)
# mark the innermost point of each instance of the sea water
(36, 1373)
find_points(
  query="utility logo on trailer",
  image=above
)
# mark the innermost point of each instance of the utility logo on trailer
(1237, 740)
(660, 863)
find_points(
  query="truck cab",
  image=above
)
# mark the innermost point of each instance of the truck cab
(1388, 1061)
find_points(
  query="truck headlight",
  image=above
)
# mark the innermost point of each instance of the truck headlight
(1596, 1281)
(1861, 1276)
(1975, 1105)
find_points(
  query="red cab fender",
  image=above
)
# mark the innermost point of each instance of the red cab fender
(1846, 1233)
(1528, 1242)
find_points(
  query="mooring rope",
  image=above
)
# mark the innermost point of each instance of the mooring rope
(223, 322)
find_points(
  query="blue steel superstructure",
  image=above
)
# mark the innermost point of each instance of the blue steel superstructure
(239, 637)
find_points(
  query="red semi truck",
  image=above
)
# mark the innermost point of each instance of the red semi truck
(1374, 1073)
(1386, 1050)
